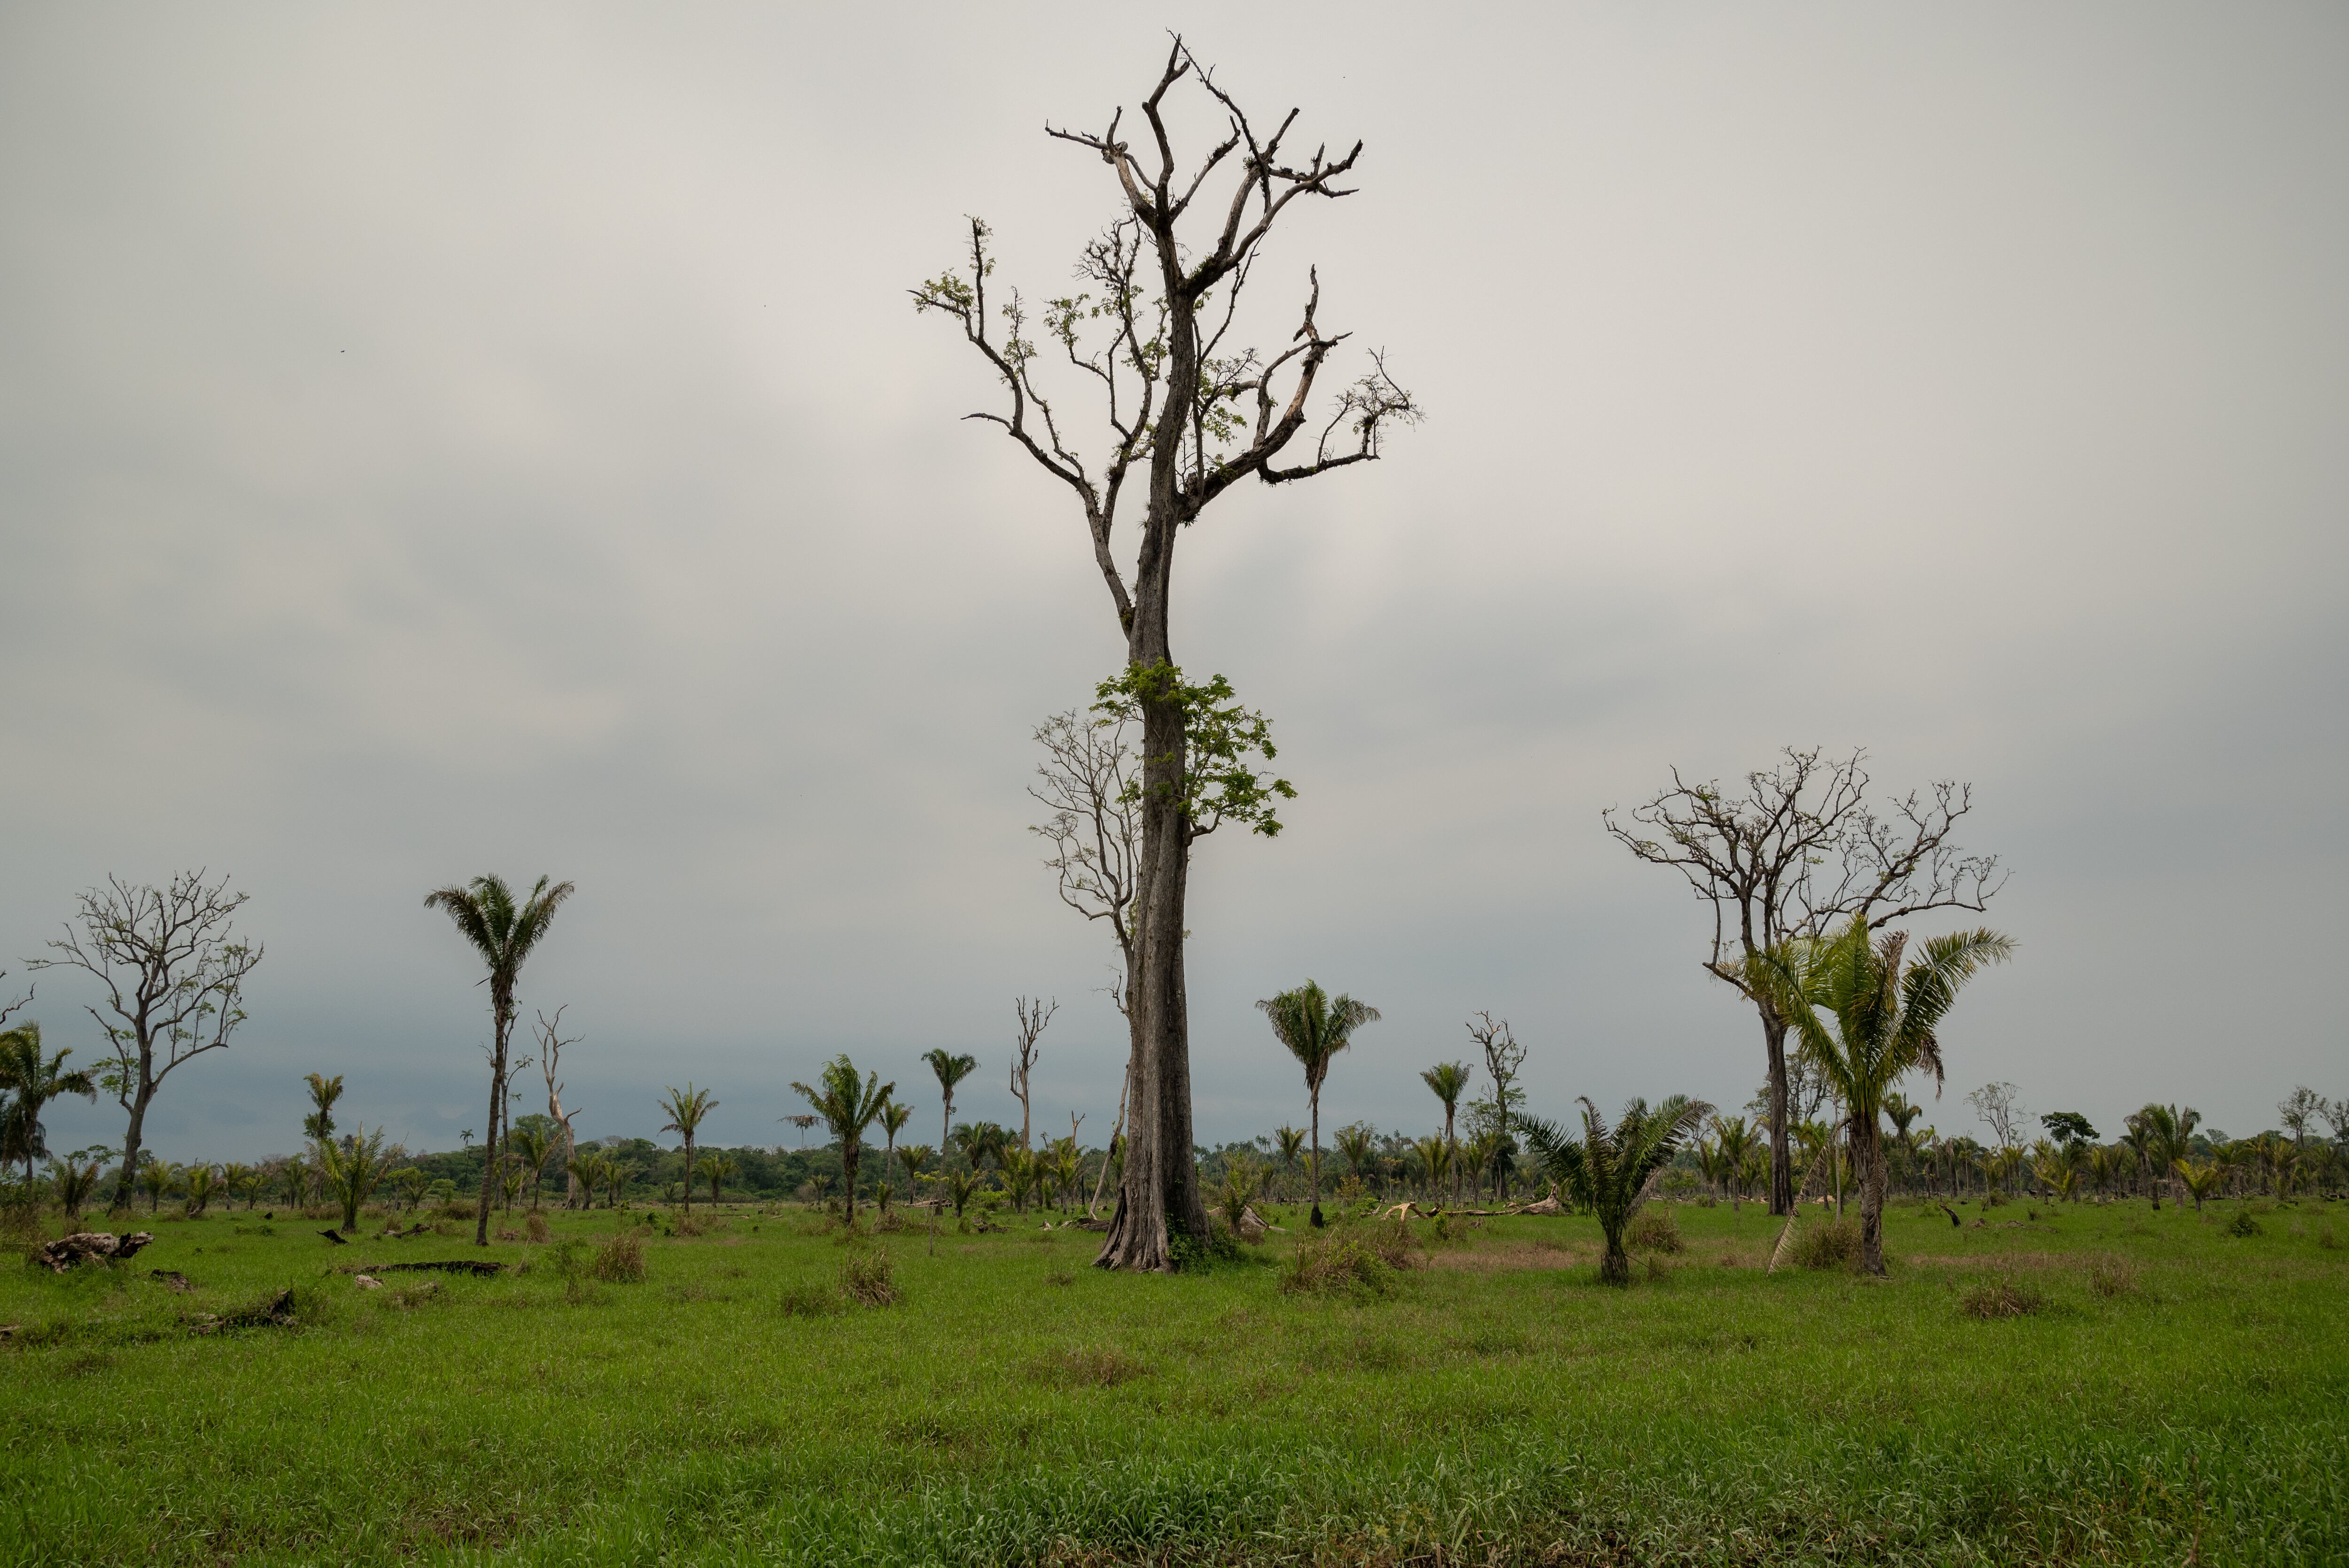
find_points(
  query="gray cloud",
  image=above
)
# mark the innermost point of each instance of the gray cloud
(437, 442)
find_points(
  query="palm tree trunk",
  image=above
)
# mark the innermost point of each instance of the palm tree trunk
(688, 1175)
(1315, 1099)
(1868, 1165)
(848, 1170)
(501, 1005)
(1782, 1159)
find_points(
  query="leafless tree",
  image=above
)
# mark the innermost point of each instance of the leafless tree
(551, 1042)
(1503, 1060)
(1799, 850)
(1033, 1017)
(174, 972)
(2000, 1105)
(1150, 333)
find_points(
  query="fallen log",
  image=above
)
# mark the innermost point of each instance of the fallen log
(480, 1266)
(171, 1278)
(336, 1237)
(83, 1246)
(275, 1312)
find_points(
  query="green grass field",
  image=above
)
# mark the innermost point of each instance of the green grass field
(2178, 1396)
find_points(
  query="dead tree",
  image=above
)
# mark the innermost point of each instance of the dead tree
(1799, 851)
(174, 972)
(551, 1042)
(1033, 1017)
(1504, 1058)
(1150, 333)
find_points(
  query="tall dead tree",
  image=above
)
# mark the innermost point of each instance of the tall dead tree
(1800, 850)
(551, 1042)
(174, 972)
(1150, 333)
(1033, 1017)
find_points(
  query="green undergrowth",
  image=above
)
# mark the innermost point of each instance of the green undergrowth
(2099, 1384)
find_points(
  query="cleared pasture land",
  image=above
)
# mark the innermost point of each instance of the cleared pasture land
(2167, 1391)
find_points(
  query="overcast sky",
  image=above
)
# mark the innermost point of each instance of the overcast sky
(442, 438)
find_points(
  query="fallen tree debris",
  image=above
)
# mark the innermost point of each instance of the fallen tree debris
(444, 1265)
(171, 1278)
(83, 1245)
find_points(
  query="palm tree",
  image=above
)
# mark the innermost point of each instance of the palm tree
(961, 1187)
(1241, 1175)
(72, 1181)
(31, 1081)
(1434, 1157)
(353, 1168)
(893, 1118)
(504, 933)
(532, 1145)
(1291, 1142)
(586, 1168)
(1448, 1081)
(1734, 1137)
(1476, 1160)
(157, 1177)
(199, 1179)
(1607, 1170)
(295, 1173)
(1359, 1145)
(319, 1125)
(1316, 1026)
(847, 1110)
(1882, 1013)
(2202, 1179)
(616, 1173)
(718, 1169)
(951, 1070)
(687, 1108)
(1712, 1164)
(914, 1159)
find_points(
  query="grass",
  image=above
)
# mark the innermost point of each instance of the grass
(2177, 1395)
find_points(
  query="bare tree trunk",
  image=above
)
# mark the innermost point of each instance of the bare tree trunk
(1315, 1117)
(131, 1141)
(1782, 1160)
(1109, 1147)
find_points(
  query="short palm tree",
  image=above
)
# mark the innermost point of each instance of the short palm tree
(1448, 1081)
(586, 1168)
(30, 1081)
(532, 1147)
(156, 1177)
(1434, 1160)
(893, 1118)
(847, 1108)
(199, 1179)
(951, 1069)
(353, 1166)
(1476, 1159)
(71, 1182)
(1734, 1137)
(1290, 1142)
(616, 1172)
(2202, 1179)
(687, 1108)
(961, 1187)
(504, 933)
(1358, 1146)
(1315, 1026)
(1882, 1012)
(294, 1177)
(719, 1168)
(1607, 1169)
(1241, 1175)
(914, 1159)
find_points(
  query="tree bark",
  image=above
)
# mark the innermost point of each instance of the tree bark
(1867, 1162)
(131, 1141)
(1782, 1162)
(1315, 1117)
(502, 1009)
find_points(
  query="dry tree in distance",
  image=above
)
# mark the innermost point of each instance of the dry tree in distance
(1155, 336)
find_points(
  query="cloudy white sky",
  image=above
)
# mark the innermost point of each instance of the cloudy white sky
(440, 438)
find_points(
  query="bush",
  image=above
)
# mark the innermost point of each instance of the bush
(868, 1278)
(2242, 1224)
(620, 1260)
(1361, 1263)
(1655, 1231)
(1997, 1298)
(811, 1301)
(1832, 1245)
(2109, 1277)
(536, 1225)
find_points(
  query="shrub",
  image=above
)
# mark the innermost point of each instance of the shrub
(1060, 1276)
(1994, 1298)
(536, 1226)
(2326, 1239)
(1655, 1231)
(2109, 1277)
(811, 1301)
(868, 1278)
(2242, 1224)
(1832, 1245)
(1361, 1264)
(456, 1208)
(620, 1260)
